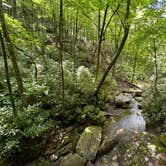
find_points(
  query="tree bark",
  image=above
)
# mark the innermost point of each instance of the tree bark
(7, 75)
(117, 54)
(156, 67)
(12, 55)
(75, 41)
(61, 47)
(14, 9)
(100, 41)
(134, 67)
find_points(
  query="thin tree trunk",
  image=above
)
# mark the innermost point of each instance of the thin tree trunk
(134, 67)
(7, 75)
(13, 56)
(61, 47)
(156, 67)
(117, 54)
(100, 41)
(75, 41)
(14, 9)
(35, 72)
(99, 21)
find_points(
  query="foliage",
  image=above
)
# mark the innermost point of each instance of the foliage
(29, 124)
(34, 33)
(155, 104)
(161, 142)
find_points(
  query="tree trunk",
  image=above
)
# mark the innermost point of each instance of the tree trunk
(13, 56)
(156, 68)
(117, 54)
(75, 41)
(14, 9)
(134, 67)
(61, 47)
(100, 41)
(7, 75)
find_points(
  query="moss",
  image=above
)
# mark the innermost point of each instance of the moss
(161, 143)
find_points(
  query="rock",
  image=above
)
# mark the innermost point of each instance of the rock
(139, 99)
(140, 105)
(89, 142)
(72, 160)
(53, 157)
(89, 163)
(128, 90)
(66, 149)
(122, 100)
(138, 93)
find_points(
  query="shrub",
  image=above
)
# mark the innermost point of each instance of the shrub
(29, 124)
(155, 104)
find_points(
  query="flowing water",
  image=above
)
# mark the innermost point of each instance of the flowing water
(134, 121)
(124, 130)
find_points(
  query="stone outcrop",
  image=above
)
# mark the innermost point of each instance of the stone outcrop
(89, 142)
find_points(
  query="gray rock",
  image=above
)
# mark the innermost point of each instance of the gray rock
(138, 93)
(72, 160)
(89, 142)
(139, 99)
(122, 100)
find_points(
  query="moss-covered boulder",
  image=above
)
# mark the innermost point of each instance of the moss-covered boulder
(89, 142)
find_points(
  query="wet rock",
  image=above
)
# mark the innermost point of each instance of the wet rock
(129, 91)
(138, 93)
(89, 142)
(122, 100)
(139, 99)
(72, 160)
(140, 105)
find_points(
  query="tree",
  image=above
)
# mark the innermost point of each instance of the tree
(12, 55)
(7, 75)
(61, 47)
(117, 54)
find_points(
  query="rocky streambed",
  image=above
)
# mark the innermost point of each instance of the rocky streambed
(121, 141)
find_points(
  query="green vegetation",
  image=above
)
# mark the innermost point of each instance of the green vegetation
(61, 62)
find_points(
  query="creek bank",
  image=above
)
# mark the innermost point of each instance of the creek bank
(121, 141)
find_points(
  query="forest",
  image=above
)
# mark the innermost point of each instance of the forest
(82, 82)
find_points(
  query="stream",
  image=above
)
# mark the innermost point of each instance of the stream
(133, 122)
(124, 130)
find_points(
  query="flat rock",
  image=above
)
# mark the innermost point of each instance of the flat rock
(89, 142)
(138, 93)
(122, 100)
(139, 99)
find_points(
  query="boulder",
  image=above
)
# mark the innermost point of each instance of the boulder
(122, 100)
(89, 142)
(72, 160)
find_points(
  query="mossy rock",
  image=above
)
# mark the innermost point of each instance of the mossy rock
(72, 160)
(89, 142)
